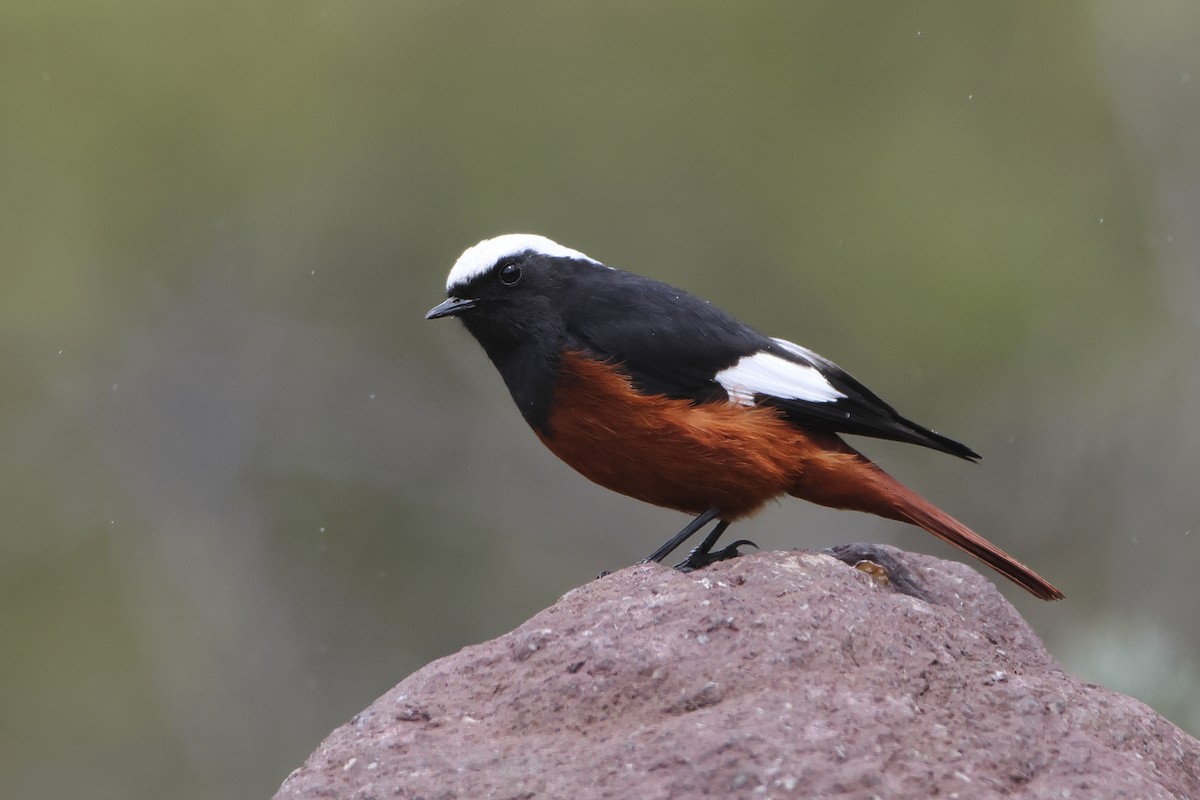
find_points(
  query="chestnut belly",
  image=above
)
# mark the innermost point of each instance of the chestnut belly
(671, 452)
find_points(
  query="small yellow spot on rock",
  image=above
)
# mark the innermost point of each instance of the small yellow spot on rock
(877, 573)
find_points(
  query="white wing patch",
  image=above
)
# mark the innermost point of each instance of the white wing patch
(480, 258)
(768, 374)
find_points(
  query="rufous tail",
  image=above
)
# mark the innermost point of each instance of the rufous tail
(915, 509)
(847, 479)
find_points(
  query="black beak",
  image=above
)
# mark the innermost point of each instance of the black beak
(451, 308)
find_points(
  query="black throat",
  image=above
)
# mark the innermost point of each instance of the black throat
(529, 366)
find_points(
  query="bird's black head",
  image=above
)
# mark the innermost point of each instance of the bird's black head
(513, 293)
(509, 289)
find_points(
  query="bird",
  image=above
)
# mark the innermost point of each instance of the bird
(654, 393)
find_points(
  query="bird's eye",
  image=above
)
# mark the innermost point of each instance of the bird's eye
(510, 274)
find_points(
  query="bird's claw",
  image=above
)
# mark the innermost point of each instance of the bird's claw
(698, 560)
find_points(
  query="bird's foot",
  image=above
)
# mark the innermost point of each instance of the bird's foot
(699, 560)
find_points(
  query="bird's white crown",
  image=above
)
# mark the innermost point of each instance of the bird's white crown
(480, 258)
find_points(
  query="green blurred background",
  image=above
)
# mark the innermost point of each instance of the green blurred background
(247, 488)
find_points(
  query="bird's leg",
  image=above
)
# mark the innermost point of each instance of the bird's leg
(688, 531)
(697, 558)
(703, 555)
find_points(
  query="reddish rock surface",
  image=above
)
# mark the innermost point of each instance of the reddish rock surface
(773, 675)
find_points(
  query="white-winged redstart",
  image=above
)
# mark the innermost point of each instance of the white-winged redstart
(654, 393)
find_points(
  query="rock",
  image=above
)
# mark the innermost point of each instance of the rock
(772, 675)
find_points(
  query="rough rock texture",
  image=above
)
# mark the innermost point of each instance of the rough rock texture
(773, 675)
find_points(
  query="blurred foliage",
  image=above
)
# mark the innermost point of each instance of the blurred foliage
(249, 489)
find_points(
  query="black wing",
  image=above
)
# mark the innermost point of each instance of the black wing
(675, 344)
(670, 342)
(859, 410)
